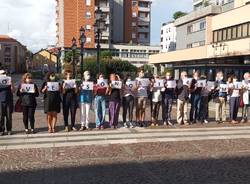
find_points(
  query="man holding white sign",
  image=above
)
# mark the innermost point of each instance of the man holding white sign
(6, 103)
(116, 84)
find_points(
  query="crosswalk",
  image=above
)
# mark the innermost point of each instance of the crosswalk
(121, 136)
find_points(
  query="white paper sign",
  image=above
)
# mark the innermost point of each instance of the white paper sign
(116, 84)
(159, 83)
(210, 85)
(143, 82)
(28, 88)
(102, 82)
(53, 86)
(131, 84)
(187, 81)
(201, 83)
(223, 87)
(171, 84)
(69, 84)
(87, 85)
(5, 81)
(238, 85)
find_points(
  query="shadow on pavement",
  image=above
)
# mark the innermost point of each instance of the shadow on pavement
(207, 171)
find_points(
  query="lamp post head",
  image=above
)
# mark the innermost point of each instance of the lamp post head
(74, 44)
(82, 37)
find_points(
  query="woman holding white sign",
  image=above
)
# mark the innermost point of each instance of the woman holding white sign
(246, 98)
(70, 101)
(114, 92)
(52, 100)
(86, 98)
(128, 99)
(28, 91)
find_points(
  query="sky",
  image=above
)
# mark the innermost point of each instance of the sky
(32, 22)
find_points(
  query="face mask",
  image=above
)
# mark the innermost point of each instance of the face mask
(129, 80)
(196, 78)
(87, 77)
(52, 78)
(141, 75)
(234, 80)
(168, 77)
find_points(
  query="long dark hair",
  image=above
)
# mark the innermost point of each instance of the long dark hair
(47, 78)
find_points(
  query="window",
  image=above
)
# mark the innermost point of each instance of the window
(88, 40)
(219, 35)
(134, 24)
(224, 32)
(190, 29)
(88, 15)
(134, 14)
(239, 31)
(88, 27)
(88, 2)
(202, 25)
(229, 33)
(134, 3)
(234, 32)
(244, 30)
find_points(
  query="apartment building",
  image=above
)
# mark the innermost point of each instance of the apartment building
(168, 37)
(127, 21)
(12, 55)
(226, 4)
(210, 40)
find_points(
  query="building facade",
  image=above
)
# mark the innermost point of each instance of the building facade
(226, 4)
(168, 37)
(226, 43)
(127, 21)
(12, 55)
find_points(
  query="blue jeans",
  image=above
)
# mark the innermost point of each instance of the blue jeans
(195, 107)
(100, 104)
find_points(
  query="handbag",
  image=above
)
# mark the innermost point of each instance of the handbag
(241, 102)
(18, 106)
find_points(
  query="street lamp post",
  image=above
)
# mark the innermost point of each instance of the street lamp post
(99, 28)
(82, 40)
(58, 60)
(74, 47)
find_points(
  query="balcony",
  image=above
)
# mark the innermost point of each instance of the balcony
(144, 29)
(143, 9)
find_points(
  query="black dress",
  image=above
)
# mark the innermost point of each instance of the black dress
(52, 100)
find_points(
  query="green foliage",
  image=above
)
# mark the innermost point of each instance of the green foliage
(148, 69)
(179, 14)
(69, 55)
(106, 54)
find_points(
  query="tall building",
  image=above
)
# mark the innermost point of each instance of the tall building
(210, 40)
(168, 37)
(127, 21)
(12, 54)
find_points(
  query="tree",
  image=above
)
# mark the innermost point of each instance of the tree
(179, 14)
(69, 56)
(106, 54)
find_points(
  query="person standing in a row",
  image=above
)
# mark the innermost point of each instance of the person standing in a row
(246, 98)
(52, 100)
(6, 106)
(70, 102)
(28, 102)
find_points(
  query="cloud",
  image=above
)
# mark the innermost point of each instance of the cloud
(32, 22)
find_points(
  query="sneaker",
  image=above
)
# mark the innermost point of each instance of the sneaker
(26, 131)
(206, 121)
(74, 129)
(152, 124)
(82, 128)
(9, 133)
(131, 125)
(235, 122)
(165, 123)
(243, 121)
(66, 129)
(125, 125)
(186, 123)
(169, 123)
(32, 131)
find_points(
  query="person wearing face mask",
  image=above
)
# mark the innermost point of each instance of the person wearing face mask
(195, 98)
(246, 98)
(28, 102)
(52, 101)
(86, 98)
(167, 101)
(182, 100)
(70, 103)
(6, 106)
(141, 100)
(100, 93)
(114, 101)
(220, 98)
(234, 100)
(128, 100)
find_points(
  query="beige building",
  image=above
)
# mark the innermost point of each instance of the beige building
(226, 44)
(44, 61)
(12, 55)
